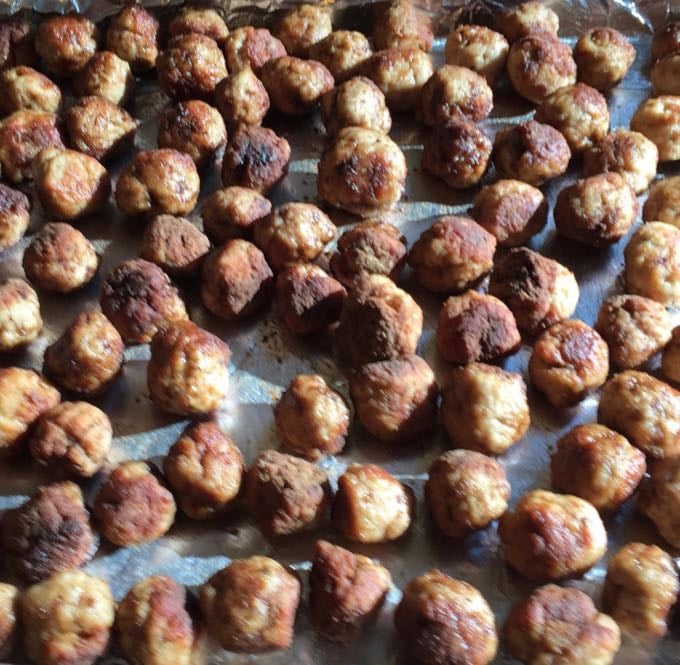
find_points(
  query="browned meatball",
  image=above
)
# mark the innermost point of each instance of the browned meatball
(201, 20)
(192, 127)
(466, 490)
(561, 625)
(25, 88)
(133, 36)
(204, 467)
(48, 533)
(453, 254)
(342, 53)
(660, 499)
(108, 76)
(17, 41)
(670, 361)
(251, 47)
(346, 591)
(475, 326)
(250, 606)
(231, 213)
(15, 215)
(236, 280)
(72, 439)
(442, 621)
(527, 18)
(658, 118)
(20, 319)
(478, 48)
(133, 506)
(242, 99)
(401, 24)
(663, 202)
(666, 40)
(66, 43)
(9, 628)
(255, 157)
(139, 299)
(665, 74)
(303, 26)
(603, 57)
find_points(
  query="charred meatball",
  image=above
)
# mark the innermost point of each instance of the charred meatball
(663, 202)
(25, 88)
(402, 25)
(526, 19)
(20, 319)
(660, 499)
(670, 361)
(251, 47)
(478, 48)
(108, 76)
(66, 43)
(201, 20)
(231, 213)
(303, 26)
(603, 57)
(15, 215)
(342, 53)
(17, 42)
(658, 119)
(242, 99)
(665, 75)
(666, 40)
(9, 609)
(133, 37)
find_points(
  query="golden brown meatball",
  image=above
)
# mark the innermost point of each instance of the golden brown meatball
(666, 40)
(658, 119)
(20, 320)
(236, 280)
(526, 19)
(355, 103)
(670, 361)
(17, 41)
(158, 181)
(303, 26)
(67, 619)
(401, 24)
(231, 213)
(660, 499)
(153, 623)
(453, 254)
(484, 408)
(466, 490)
(204, 467)
(133, 36)
(603, 57)
(242, 99)
(66, 43)
(561, 625)
(9, 606)
(250, 606)
(72, 439)
(201, 20)
(342, 53)
(478, 48)
(108, 76)
(133, 506)
(665, 75)
(15, 215)
(192, 127)
(187, 373)
(251, 47)
(25, 88)
(48, 533)
(442, 621)
(663, 202)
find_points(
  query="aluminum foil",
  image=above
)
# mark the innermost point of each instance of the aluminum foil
(265, 358)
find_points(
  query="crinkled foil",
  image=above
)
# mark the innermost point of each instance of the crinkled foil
(265, 358)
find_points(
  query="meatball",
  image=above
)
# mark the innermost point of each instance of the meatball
(466, 490)
(484, 408)
(194, 128)
(357, 102)
(133, 37)
(342, 53)
(153, 623)
(303, 26)
(242, 99)
(457, 152)
(250, 605)
(72, 439)
(526, 19)
(379, 321)
(561, 625)
(401, 24)
(133, 506)
(475, 326)
(663, 202)
(453, 254)
(653, 263)
(255, 157)
(660, 499)
(251, 47)
(9, 609)
(204, 467)
(549, 537)
(362, 171)
(108, 76)
(670, 361)
(15, 215)
(346, 591)
(48, 533)
(187, 373)
(665, 74)
(201, 20)
(478, 48)
(538, 65)
(442, 621)
(236, 280)
(67, 619)
(658, 119)
(231, 213)
(20, 320)
(539, 291)
(17, 41)
(139, 299)
(666, 40)
(603, 57)
(25, 88)
(66, 43)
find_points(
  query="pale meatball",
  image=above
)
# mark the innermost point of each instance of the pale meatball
(452, 255)
(15, 215)
(663, 202)
(232, 212)
(251, 47)
(250, 606)
(670, 361)
(538, 65)
(204, 467)
(402, 25)
(342, 53)
(355, 103)
(371, 505)
(201, 20)
(466, 490)
(442, 621)
(666, 40)
(20, 320)
(303, 26)
(640, 588)
(133, 37)
(658, 119)
(665, 75)
(645, 410)
(395, 400)
(526, 19)
(17, 41)
(660, 499)
(242, 99)
(9, 609)
(187, 373)
(158, 181)
(25, 88)
(561, 625)
(362, 171)
(67, 619)
(603, 57)
(484, 408)
(66, 43)
(653, 263)
(107, 76)
(478, 48)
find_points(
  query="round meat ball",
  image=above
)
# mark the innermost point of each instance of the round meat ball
(395, 400)
(653, 263)
(453, 254)
(133, 37)
(25, 88)
(357, 102)
(20, 320)
(48, 533)
(72, 439)
(603, 57)
(66, 43)
(670, 361)
(401, 24)
(158, 181)
(660, 499)
(15, 215)
(342, 53)
(231, 213)
(251, 47)
(640, 588)
(658, 119)
(442, 621)
(187, 373)
(466, 490)
(663, 202)
(236, 280)
(250, 606)
(475, 326)
(484, 408)
(478, 48)
(9, 609)
(526, 19)
(199, 20)
(67, 619)
(175, 244)
(242, 99)
(303, 26)
(108, 76)
(665, 75)
(204, 467)
(362, 171)
(17, 41)
(666, 40)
